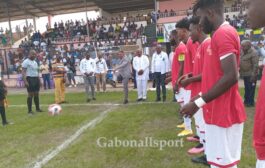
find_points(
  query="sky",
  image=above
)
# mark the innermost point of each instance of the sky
(42, 21)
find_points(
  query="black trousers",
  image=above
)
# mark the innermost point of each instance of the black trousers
(250, 89)
(3, 114)
(160, 82)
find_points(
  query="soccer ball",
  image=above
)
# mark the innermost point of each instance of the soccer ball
(54, 109)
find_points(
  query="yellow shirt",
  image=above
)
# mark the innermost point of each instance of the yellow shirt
(56, 67)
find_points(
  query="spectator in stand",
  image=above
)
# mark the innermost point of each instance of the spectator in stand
(111, 32)
(125, 30)
(117, 30)
(101, 72)
(45, 71)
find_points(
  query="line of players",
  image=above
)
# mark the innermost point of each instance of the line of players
(205, 79)
(213, 82)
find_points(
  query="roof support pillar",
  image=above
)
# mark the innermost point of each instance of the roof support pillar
(9, 23)
(50, 21)
(34, 24)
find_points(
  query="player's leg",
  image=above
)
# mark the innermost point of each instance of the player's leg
(199, 148)
(187, 120)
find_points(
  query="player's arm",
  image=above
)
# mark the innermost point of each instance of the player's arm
(188, 81)
(229, 78)
(181, 59)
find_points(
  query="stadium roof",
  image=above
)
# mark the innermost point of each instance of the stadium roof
(22, 9)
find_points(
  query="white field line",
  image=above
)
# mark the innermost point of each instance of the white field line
(44, 159)
(103, 104)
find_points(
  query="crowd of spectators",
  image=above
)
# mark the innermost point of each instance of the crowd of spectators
(5, 38)
(239, 21)
(78, 29)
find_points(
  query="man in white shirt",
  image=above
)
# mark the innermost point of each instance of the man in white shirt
(160, 67)
(141, 67)
(88, 69)
(101, 71)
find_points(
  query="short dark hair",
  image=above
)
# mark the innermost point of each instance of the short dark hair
(217, 5)
(183, 24)
(195, 20)
(174, 32)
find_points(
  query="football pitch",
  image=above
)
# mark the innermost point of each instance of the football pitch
(82, 136)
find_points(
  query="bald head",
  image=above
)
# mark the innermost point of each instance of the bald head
(158, 48)
(246, 45)
(32, 54)
(139, 53)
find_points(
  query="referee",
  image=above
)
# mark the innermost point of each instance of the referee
(31, 78)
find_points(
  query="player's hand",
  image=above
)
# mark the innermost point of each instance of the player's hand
(185, 82)
(189, 109)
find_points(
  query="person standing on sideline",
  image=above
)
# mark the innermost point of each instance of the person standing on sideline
(249, 63)
(160, 68)
(58, 70)
(3, 93)
(134, 76)
(30, 73)
(88, 69)
(125, 70)
(141, 67)
(256, 20)
(223, 108)
(45, 71)
(101, 72)
(70, 71)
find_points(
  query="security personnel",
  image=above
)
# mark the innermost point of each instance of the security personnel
(58, 70)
